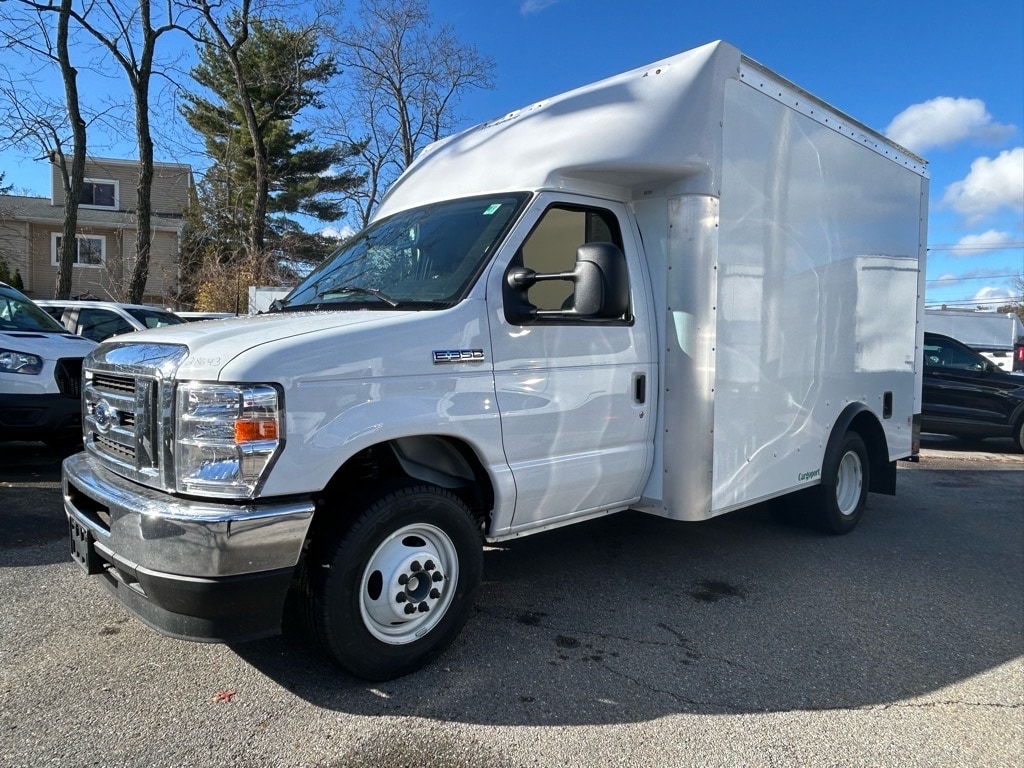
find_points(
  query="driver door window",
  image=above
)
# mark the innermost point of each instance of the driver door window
(551, 247)
(952, 358)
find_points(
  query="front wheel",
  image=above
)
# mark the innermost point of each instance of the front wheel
(396, 587)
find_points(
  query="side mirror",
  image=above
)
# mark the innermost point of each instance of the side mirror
(600, 285)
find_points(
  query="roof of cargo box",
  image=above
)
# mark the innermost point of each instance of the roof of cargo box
(650, 127)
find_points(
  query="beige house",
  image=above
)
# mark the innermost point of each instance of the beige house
(30, 232)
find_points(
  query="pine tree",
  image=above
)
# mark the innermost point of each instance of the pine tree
(284, 73)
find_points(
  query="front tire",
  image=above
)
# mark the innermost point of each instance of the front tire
(390, 593)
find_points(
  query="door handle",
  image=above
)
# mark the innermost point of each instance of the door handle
(640, 388)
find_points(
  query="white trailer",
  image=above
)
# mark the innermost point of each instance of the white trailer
(994, 334)
(685, 289)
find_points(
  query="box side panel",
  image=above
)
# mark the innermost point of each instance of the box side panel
(987, 330)
(681, 488)
(817, 300)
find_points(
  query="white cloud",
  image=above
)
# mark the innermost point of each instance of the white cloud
(975, 245)
(992, 295)
(342, 233)
(530, 7)
(991, 185)
(944, 121)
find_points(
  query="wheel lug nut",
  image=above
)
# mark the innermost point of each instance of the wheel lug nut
(400, 597)
(410, 608)
(403, 579)
(424, 607)
(437, 576)
(434, 593)
(415, 566)
(429, 565)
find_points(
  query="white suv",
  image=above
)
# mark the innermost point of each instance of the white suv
(98, 320)
(40, 373)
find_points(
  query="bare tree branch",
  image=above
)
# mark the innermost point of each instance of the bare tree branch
(403, 79)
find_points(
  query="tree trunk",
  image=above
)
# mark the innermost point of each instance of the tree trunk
(72, 180)
(144, 205)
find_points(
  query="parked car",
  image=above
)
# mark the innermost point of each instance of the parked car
(966, 395)
(992, 334)
(40, 373)
(99, 320)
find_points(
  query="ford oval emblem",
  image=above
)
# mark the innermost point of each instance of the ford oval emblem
(105, 416)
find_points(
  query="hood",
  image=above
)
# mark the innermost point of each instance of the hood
(49, 346)
(213, 344)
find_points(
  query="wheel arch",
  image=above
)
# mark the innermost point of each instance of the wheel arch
(1017, 425)
(857, 417)
(442, 460)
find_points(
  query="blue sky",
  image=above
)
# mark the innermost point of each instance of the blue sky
(946, 79)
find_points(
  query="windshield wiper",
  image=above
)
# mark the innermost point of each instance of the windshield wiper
(361, 291)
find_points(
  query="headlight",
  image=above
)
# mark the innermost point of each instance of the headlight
(20, 362)
(226, 437)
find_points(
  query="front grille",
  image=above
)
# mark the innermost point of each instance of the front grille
(106, 382)
(111, 416)
(128, 399)
(113, 448)
(68, 374)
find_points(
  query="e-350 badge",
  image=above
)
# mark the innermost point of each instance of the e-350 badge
(458, 356)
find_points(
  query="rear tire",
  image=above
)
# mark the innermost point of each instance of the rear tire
(391, 592)
(837, 504)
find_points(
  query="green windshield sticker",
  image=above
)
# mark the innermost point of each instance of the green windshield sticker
(492, 209)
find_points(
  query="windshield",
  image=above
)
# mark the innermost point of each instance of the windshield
(19, 313)
(424, 258)
(154, 318)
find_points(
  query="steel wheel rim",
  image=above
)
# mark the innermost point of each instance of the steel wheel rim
(849, 483)
(416, 566)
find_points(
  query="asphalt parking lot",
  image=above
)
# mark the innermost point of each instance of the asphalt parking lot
(629, 641)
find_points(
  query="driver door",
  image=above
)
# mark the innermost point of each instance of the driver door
(575, 396)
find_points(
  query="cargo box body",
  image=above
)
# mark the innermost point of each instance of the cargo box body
(785, 243)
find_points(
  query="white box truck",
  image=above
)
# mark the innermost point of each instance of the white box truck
(996, 335)
(684, 290)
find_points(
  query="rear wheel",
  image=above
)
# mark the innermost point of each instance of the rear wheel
(837, 505)
(391, 592)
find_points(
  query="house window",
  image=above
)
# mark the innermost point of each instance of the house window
(91, 250)
(99, 193)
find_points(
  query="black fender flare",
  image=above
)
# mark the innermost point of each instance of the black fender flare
(432, 459)
(862, 420)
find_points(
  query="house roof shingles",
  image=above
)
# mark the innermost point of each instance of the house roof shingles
(39, 210)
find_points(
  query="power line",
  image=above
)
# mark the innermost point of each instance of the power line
(977, 246)
(999, 302)
(980, 277)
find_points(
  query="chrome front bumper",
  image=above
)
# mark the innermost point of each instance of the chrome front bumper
(190, 569)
